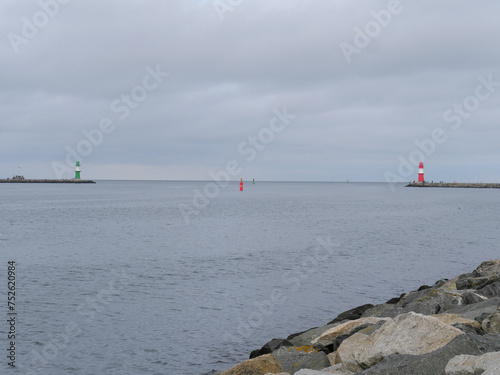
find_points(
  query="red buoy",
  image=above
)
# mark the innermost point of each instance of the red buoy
(241, 184)
(421, 172)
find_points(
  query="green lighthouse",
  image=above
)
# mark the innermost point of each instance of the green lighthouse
(77, 171)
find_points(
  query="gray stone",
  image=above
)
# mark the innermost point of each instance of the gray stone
(433, 363)
(257, 366)
(306, 337)
(293, 359)
(329, 370)
(487, 343)
(346, 329)
(439, 283)
(492, 323)
(338, 369)
(395, 300)
(466, 328)
(481, 317)
(452, 319)
(486, 274)
(475, 283)
(476, 309)
(488, 268)
(490, 291)
(382, 310)
(430, 301)
(270, 347)
(470, 297)
(486, 364)
(407, 334)
(352, 314)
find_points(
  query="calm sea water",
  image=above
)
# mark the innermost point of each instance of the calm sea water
(112, 280)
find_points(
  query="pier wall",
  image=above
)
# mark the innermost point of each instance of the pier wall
(455, 185)
(46, 181)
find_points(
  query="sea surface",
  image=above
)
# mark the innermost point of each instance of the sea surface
(182, 278)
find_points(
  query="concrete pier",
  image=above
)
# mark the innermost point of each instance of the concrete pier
(455, 185)
(44, 181)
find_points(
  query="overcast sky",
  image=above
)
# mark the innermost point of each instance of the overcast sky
(281, 90)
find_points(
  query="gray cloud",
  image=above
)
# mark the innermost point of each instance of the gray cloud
(354, 120)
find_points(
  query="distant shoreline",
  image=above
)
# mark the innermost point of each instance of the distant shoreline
(45, 181)
(455, 185)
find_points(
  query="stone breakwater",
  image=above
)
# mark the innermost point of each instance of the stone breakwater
(455, 185)
(451, 328)
(47, 181)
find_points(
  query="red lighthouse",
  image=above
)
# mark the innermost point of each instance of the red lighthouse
(421, 172)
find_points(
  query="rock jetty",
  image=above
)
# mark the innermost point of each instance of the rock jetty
(449, 328)
(45, 181)
(454, 185)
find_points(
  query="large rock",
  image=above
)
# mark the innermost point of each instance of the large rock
(486, 343)
(452, 319)
(330, 370)
(487, 364)
(345, 329)
(306, 337)
(257, 366)
(477, 309)
(270, 347)
(490, 291)
(465, 289)
(492, 323)
(487, 273)
(430, 301)
(352, 314)
(407, 334)
(293, 359)
(432, 363)
(488, 268)
(382, 310)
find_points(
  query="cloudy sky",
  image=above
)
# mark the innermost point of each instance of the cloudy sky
(283, 90)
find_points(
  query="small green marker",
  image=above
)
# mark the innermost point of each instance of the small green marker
(253, 182)
(77, 171)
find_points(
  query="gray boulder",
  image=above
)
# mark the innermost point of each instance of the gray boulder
(256, 366)
(486, 274)
(295, 358)
(270, 347)
(383, 310)
(486, 364)
(352, 314)
(486, 343)
(477, 309)
(490, 291)
(435, 362)
(329, 370)
(346, 329)
(407, 334)
(426, 364)
(306, 337)
(492, 323)
(430, 301)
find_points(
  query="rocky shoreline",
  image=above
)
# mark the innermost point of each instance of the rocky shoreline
(449, 328)
(482, 185)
